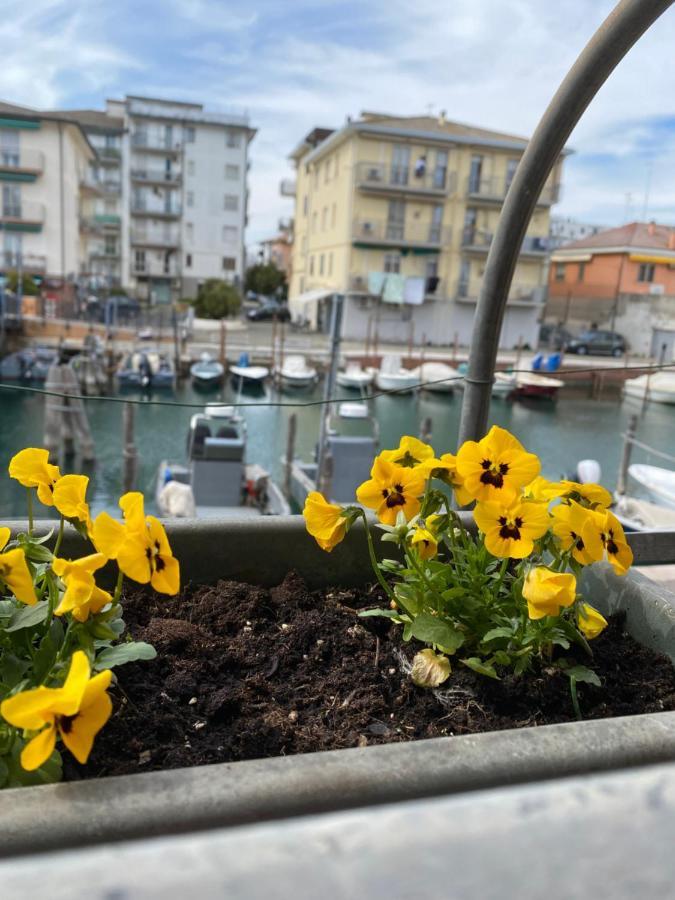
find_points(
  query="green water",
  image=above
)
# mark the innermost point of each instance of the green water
(574, 428)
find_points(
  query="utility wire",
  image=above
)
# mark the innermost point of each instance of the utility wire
(309, 403)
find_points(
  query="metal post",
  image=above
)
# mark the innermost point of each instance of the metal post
(223, 342)
(176, 345)
(329, 387)
(290, 453)
(622, 28)
(130, 454)
(625, 454)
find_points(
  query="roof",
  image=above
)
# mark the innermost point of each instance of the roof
(27, 112)
(634, 235)
(437, 125)
(94, 119)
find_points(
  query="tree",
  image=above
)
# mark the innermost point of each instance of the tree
(267, 279)
(29, 287)
(217, 299)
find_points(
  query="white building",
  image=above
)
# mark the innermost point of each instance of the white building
(172, 193)
(564, 230)
(44, 163)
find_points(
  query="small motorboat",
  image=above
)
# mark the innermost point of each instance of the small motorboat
(217, 480)
(532, 384)
(657, 482)
(146, 368)
(659, 387)
(437, 377)
(295, 373)
(30, 364)
(246, 375)
(504, 384)
(207, 372)
(391, 376)
(641, 515)
(355, 377)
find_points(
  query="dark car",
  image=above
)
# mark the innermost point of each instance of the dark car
(554, 337)
(607, 343)
(267, 311)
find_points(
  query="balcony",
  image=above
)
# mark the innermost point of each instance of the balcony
(152, 268)
(98, 223)
(536, 247)
(474, 240)
(30, 262)
(141, 140)
(381, 233)
(23, 216)
(111, 155)
(21, 164)
(494, 190)
(287, 187)
(358, 284)
(382, 178)
(156, 176)
(525, 295)
(166, 211)
(100, 251)
(144, 238)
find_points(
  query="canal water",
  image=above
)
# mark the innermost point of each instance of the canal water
(575, 427)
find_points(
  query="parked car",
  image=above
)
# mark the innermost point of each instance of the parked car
(267, 311)
(597, 342)
(554, 337)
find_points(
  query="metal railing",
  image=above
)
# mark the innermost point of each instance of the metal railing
(386, 176)
(400, 233)
(24, 211)
(97, 223)
(151, 238)
(145, 141)
(30, 262)
(468, 292)
(433, 286)
(22, 159)
(112, 154)
(496, 189)
(154, 269)
(156, 175)
(478, 240)
(143, 209)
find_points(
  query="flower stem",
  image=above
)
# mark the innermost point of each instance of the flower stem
(118, 587)
(373, 561)
(575, 698)
(30, 511)
(59, 537)
(502, 573)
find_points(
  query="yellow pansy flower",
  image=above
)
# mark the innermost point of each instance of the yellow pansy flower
(577, 527)
(82, 595)
(76, 712)
(614, 541)
(542, 490)
(445, 468)
(591, 622)
(14, 571)
(391, 489)
(69, 498)
(31, 468)
(140, 545)
(511, 530)
(546, 591)
(424, 541)
(409, 453)
(592, 494)
(496, 468)
(324, 521)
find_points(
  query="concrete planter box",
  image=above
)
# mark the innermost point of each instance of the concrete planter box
(231, 794)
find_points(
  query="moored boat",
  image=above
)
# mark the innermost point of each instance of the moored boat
(657, 482)
(532, 384)
(246, 375)
(353, 376)
(295, 373)
(437, 377)
(207, 372)
(391, 376)
(659, 387)
(146, 367)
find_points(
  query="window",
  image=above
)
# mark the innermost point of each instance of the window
(646, 272)
(315, 220)
(395, 220)
(109, 207)
(305, 205)
(304, 243)
(11, 200)
(229, 263)
(232, 173)
(232, 138)
(188, 260)
(191, 167)
(330, 263)
(321, 264)
(400, 163)
(9, 146)
(311, 265)
(139, 260)
(333, 215)
(581, 271)
(230, 234)
(167, 262)
(337, 160)
(436, 224)
(392, 263)
(110, 245)
(231, 202)
(511, 166)
(189, 134)
(189, 231)
(190, 198)
(560, 271)
(441, 169)
(317, 169)
(326, 174)
(324, 218)
(475, 174)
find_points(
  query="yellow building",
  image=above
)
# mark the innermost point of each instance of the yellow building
(398, 214)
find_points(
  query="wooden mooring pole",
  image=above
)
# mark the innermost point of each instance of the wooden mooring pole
(290, 453)
(223, 343)
(130, 454)
(622, 477)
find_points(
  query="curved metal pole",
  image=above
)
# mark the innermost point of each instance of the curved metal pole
(617, 34)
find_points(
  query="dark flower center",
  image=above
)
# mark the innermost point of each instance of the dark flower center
(578, 541)
(394, 497)
(407, 460)
(609, 542)
(510, 530)
(66, 723)
(493, 474)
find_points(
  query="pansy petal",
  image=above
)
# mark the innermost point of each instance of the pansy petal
(15, 573)
(166, 577)
(79, 738)
(38, 751)
(107, 535)
(133, 558)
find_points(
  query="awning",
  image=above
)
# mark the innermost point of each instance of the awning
(570, 257)
(303, 306)
(644, 258)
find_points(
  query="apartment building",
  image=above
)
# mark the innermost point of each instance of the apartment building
(398, 214)
(621, 279)
(44, 165)
(179, 211)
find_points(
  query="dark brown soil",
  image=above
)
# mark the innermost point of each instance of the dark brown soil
(244, 672)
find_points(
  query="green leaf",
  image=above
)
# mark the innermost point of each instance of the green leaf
(4, 772)
(38, 554)
(24, 539)
(582, 673)
(385, 613)
(433, 630)
(481, 667)
(44, 658)
(12, 669)
(502, 632)
(502, 658)
(28, 616)
(48, 773)
(7, 608)
(124, 653)
(453, 593)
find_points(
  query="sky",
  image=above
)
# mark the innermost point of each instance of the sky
(296, 64)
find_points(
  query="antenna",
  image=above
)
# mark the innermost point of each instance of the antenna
(648, 184)
(628, 207)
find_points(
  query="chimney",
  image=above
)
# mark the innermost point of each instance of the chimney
(651, 228)
(671, 240)
(441, 117)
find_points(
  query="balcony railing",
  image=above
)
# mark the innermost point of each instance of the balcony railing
(172, 210)
(155, 238)
(24, 212)
(26, 161)
(433, 285)
(478, 241)
(109, 154)
(400, 234)
(100, 251)
(155, 176)
(374, 176)
(154, 269)
(495, 189)
(519, 294)
(30, 262)
(98, 223)
(535, 246)
(144, 141)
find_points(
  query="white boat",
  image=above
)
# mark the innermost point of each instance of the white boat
(295, 373)
(207, 372)
(391, 376)
(437, 377)
(659, 483)
(641, 515)
(247, 375)
(504, 385)
(660, 387)
(532, 384)
(355, 377)
(217, 480)
(146, 367)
